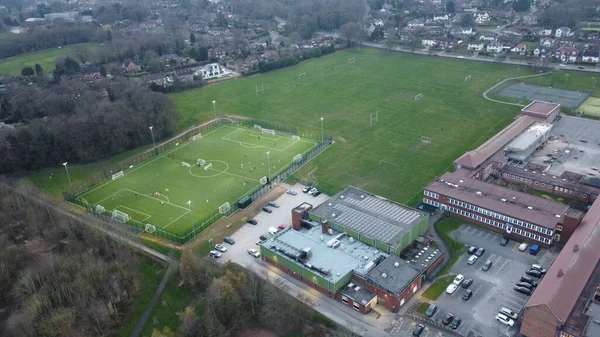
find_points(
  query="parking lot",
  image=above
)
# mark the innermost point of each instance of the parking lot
(404, 326)
(492, 289)
(247, 236)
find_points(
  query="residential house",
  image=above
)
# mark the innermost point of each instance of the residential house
(547, 43)
(466, 31)
(271, 55)
(494, 47)
(475, 46)
(428, 42)
(416, 23)
(590, 56)
(482, 18)
(520, 49)
(540, 51)
(212, 70)
(439, 18)
(566, 54)
(217, 53)
(131, 67)
(488, 36)
(544, 32)
(563, 32)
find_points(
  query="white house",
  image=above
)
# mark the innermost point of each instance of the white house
(520, 49)
(562, 32)
(547, 43)
(212, 70)
(494, 47)
(466, 31)
(566, 54)
(416, 23)
(488, 36)
(545, 32)
(429, 43)
(475, 46)
(589, 56)
(481, 18)
(444, 17)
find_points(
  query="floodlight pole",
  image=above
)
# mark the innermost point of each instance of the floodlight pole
(68, 176)
(322, 135)
(153, 143)
(215, 108)
(567, 79)
(269, 163)
(593, 83)
(192, 216)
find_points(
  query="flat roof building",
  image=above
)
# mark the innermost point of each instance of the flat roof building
(527, 142)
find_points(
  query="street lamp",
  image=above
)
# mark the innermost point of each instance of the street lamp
(269, 162)
(68, 176)
(567, 79)
(192, 216)
(322, 136)
(153, 143)
(215, 108)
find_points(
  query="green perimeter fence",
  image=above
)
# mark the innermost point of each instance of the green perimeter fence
(73, 194)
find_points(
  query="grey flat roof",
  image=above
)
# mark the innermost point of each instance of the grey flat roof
(351, 255)
(358, 292)
(393, 278)
(542, 108)
(374, 216)
(529, 137)
(423, 256)
(593, 328)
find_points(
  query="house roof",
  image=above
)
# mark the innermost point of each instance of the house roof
(543, 212)
(473, 159)
(540, 108)
(569, 273)
(566, 49)
(393, 274)
(591, 53)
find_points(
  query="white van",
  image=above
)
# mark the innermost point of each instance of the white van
(508, 312)
(273, 230)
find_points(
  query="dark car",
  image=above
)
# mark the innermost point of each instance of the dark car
(431, 310)
(467, 294)
(487, 265)
(418, 330)
(448, 318)
(529, 280)
(580, 67)
(466, 283)
(523, 290)
(267, 209)
(472, 250)
(525, 285)
(306, 189)
(534, 273)
(316, 193)
(455, 323)
(504, 241)
(229, 240)
(252, 221)
(479, 252)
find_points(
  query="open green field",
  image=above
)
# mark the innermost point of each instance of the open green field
(388, 158)
(591, 106)
(46, 58)
(157, 192)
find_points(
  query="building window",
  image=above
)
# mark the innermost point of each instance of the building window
(356, 306)
(345, 299)
(402, 302)
(415, 289)
(543, 184)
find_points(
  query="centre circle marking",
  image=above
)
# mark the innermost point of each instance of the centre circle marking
(212, 175)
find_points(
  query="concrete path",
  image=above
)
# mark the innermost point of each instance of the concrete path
(504, 81)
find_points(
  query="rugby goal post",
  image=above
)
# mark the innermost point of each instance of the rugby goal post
(301, 75)
(196, 137)
(263, 180)
(467, 78)
(119, 216)
(294, 137)
(200, 162)
(150, 228)
(100, 209)
(188, 165)
(207, 166)
(260, 89)
(351, 60)
(257, 127)
(268, 131)
(118, 175)
(297, 158)
(418, 97)
(224, 208)
(426, 140)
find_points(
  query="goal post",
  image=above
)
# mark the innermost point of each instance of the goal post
(224, 208)
(351, 60)
(118, 175)
(200, 162)
(294, 137)
(196, 137)
(297, 158)
(188, 165)
(100, 209)
(207, 166)
(418, 97)
(263, 180)
(119, 216)
(257, 127)
(268, 131)
(150, 228)
(301, 75)
(425, 139)
(467, 78)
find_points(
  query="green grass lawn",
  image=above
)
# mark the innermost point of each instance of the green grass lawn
(422, 308)
(443, 228)
(567, 80)
(388, 158)
(157, 192)
(45, 58)
(437, 288)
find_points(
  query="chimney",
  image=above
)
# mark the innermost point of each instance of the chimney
(575, 248)
(324, 227)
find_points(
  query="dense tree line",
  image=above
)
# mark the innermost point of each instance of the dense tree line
(57, 276)
(569, 13)
(288, 60)
(81, 122)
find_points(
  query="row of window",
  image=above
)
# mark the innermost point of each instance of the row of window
(431, 194)
(502, 217)
(431, 202)
(499, 225)
(549, 186)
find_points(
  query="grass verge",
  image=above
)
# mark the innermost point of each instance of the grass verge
(437, 288)
(443, 228)
(422, 308)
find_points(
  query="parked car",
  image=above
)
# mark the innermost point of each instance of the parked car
(229, 240)
(418, 330)
(534, 273)
(265, 236)
(254, 252)
(448, 318)
(291, 192)
(504, 320)
(451, 289)
(273, 204)
(466, 283)
(580, 67)
(523, 247)
(220, 247)
(523, 290)
(525, 285)
(467, 294)
(431, 310)
(306, 189)
(252, 221)
(455, 323)
(458, 279)
(312, 191)
(504, 241)
(487, 265)
(259, 242)
(267, 209)
(273, 230)
(529, 280)
(282, 227)
(472, 250)
(508, 313)
(534, 250)
(215, 254)
(472, 259)
(539, 268)
(317, 193)
(479, 252)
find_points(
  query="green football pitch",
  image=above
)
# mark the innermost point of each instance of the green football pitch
(167, 194)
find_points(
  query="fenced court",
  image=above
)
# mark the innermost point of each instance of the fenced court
(186, 188)
(528, 92)
(590, 107)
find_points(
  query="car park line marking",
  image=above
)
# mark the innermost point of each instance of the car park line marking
(488, 234)
(501, 268)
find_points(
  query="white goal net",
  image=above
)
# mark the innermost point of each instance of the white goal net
(224, 208)
(120, 216)
(100, 209)
(418, 97)
(200, 162)
(263, 180)
(297, 158)
(257, 127)
(351, 60)
(188, 165)
(425, 139)
(301, 75)
(267, 131)
(467, 78)
(207, 166)
(198, 136)
(294, 137)
(118, 175)
(150, 228)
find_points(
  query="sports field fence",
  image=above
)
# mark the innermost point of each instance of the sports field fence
(73, 194)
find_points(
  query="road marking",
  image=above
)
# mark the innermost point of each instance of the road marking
(488, 234)
(501, 268)
(179, 217)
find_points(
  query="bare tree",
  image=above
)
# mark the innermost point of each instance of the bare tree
(352, 32)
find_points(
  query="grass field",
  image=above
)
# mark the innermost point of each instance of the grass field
(438, 287)
(591, 106)
(157, 192)
(45, 58)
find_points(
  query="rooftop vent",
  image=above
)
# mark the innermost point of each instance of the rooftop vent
(575, 248)
(460, 181)
(362, 196)
(365, 257)
(564, 179)
(558, 216)
(342, 197)
(503, 199)
(333, 214)
(396, 264)
(479, 193)
(350, 285)
(384, 275)
(338, 274)
(514, 198)
(357, 288)
(329, 204)
(525, 170)
(553, 177)
(560, 273)
(529, 207)
(533, 171)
